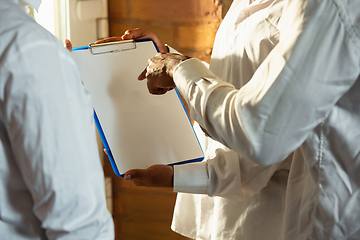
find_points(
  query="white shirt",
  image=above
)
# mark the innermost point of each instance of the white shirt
(305, 98)
(51, 179)
(247, 190)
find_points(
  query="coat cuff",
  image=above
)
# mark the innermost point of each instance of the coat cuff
(191, 178)
(172, 50)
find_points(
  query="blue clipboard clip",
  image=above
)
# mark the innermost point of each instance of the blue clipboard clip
(112, 47)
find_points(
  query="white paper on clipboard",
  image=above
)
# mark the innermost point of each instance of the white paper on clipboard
(138, 129)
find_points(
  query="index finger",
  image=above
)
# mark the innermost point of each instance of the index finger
(142, 75)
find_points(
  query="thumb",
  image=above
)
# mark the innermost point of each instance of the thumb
(109, 39)
(130, 174)
(136, 33)
(137, 177)
(127, 36)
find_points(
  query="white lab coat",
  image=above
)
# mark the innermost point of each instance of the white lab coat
(247, 189)
(305, 98)
(51, 179)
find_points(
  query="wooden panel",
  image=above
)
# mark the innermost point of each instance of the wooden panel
(181, 10)
(188, 26)
(143, 213)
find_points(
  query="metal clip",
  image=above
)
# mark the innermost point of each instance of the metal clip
(112, 47)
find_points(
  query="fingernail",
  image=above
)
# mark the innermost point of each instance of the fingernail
(127, 177)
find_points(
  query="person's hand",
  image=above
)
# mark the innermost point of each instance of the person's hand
(154, 176)
(159, 73)
(137, 33)
(68, 45)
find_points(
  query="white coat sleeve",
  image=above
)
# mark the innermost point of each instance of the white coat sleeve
(315, 62)
(49, 120)
(223, 172)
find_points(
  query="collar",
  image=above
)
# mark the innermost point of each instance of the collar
(32, 3)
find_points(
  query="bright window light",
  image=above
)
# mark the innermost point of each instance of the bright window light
(46, 15)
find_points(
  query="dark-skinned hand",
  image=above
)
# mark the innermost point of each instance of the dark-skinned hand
(159, 72)
(159, 175)
(155, 176)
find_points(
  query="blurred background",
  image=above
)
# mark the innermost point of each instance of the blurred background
(189, 26)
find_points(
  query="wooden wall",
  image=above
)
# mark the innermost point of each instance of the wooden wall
(187, 25)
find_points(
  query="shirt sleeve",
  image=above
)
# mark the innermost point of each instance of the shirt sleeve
(223, 172)
(49, 120)
(315, 62)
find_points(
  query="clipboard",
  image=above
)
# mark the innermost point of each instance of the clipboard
(137, 129)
